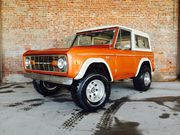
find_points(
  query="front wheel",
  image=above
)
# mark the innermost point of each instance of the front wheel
(45, 88)
(143, 80)
(92, 92)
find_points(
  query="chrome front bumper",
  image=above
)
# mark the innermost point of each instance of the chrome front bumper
(50, 78)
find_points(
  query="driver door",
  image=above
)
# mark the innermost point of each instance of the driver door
(125, 59)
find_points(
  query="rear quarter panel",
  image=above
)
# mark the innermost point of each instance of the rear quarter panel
(142, 54)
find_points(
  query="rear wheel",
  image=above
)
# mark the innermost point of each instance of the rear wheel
(92, 92)
(143, 80)
(46, 88)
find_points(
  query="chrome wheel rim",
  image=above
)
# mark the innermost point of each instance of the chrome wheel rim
(95, 91)
(49, 86)
(147, 79)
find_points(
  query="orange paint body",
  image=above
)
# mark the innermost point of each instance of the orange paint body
(122, 63)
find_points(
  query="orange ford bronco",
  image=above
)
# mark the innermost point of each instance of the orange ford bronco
(96, 58)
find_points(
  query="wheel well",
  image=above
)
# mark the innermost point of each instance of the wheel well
(99, 68)
(146, 63)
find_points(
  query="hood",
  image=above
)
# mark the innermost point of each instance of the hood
(89, 49)
(74, 50)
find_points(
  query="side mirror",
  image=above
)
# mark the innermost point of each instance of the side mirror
(127, 47)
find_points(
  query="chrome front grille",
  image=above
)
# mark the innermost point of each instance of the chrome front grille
(44, 63)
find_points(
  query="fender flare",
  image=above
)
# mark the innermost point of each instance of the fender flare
(87, 63)
(140, 64)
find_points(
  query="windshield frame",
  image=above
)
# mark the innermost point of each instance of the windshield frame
(98, 30)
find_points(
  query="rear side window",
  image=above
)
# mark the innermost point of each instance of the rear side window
(142, 42)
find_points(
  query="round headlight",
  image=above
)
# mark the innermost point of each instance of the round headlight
(61, 63)
(27, 62)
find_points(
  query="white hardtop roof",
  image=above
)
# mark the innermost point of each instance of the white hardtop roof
(122, 27)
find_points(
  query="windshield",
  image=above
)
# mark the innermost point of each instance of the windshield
(100, 37)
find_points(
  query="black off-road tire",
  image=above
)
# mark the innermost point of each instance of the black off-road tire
(78, 92)
(139, 81)
(40, 88)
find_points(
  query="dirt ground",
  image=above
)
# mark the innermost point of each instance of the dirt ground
(129, 112)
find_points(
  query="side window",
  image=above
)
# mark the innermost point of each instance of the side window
(141, 42)
(124, 40)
